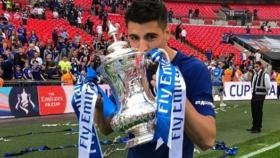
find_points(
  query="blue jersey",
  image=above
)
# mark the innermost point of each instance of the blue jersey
(36, 72)
(18, 75)
(33, 39)
(216, 75)
(21, 31)
(27, 72)
(199, 92)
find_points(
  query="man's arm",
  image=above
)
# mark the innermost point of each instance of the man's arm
(199, 128)
(267, 82)
(102, 123)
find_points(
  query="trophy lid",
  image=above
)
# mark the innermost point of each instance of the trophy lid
(117, 48)
(113, 31)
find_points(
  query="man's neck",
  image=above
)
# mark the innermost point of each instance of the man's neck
(171, 53)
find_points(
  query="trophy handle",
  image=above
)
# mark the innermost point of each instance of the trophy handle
(165, 54)
(149, 65)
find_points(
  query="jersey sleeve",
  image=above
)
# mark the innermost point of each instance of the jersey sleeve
(199, 88)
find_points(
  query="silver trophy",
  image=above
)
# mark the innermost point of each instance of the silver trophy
(124, 69)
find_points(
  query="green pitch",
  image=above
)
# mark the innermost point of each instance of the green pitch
(231, 125)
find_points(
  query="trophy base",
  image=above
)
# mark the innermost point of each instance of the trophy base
(143, 133)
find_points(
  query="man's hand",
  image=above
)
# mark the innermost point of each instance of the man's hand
(99, 104)
(154, 81)
(100, 120)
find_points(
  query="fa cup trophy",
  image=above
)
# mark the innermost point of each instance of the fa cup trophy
(125, 70)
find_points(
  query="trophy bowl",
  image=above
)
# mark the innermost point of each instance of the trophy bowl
(125, 70)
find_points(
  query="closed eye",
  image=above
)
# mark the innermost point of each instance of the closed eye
(133, 37)
(150, 37)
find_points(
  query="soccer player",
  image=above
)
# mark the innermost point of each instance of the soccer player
(217, 74)
(147, 29)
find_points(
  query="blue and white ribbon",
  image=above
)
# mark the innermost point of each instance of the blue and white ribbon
(88, 144)
(228, 151)
(84, 99)
(76, 99)
(171, 97)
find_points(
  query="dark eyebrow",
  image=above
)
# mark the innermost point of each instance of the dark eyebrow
(150, 34)
(133, 35)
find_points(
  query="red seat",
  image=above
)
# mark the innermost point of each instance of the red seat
(208, 22)
(185, 20)
(256, 23)
(232, 22)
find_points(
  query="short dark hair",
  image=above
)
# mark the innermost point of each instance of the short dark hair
(147, 11)
(258, 63)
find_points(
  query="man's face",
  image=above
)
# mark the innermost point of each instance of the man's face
(257, 67)
(221, 65)
(147, 36)
(1, 71)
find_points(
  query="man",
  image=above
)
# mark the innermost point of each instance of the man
(260, 87)
(20, 58)
(237, 74)
(37, 71)
(64, 34)
(258, 56)
(183, 35)
(64, 64)
(147, 29)
(7, 67)
(38, 58)
(77, 38)
(55, 36)
(1, 79)
(89, 25)
(248, 29)
(278, 85)
(243, 56)
(190, 13)
(217, 76)
(178, 30)
(196, 13)
(22, 34)
(99, 30)
(209, 54)
(170, 15)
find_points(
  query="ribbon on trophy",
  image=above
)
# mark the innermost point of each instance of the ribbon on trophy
(171, 97)
(83, 101)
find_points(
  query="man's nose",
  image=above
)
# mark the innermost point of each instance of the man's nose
(143, 46)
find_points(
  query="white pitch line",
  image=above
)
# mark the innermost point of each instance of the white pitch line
(261, 150)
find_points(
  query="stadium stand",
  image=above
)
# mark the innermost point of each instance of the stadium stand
(181, 9)
(185, 49)
(264, 12)
(199, 37)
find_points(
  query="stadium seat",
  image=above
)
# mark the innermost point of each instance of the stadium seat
(264, 12)
(256, 23)
(208, 21)
(232, 22)
(185, 20)
(181, 9)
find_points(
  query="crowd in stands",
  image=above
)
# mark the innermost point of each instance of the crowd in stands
(193, 14)
(235, 72)
(24, 56)
(265, 27)
(223, 70)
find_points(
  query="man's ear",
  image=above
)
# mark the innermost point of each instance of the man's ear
(167, 32)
